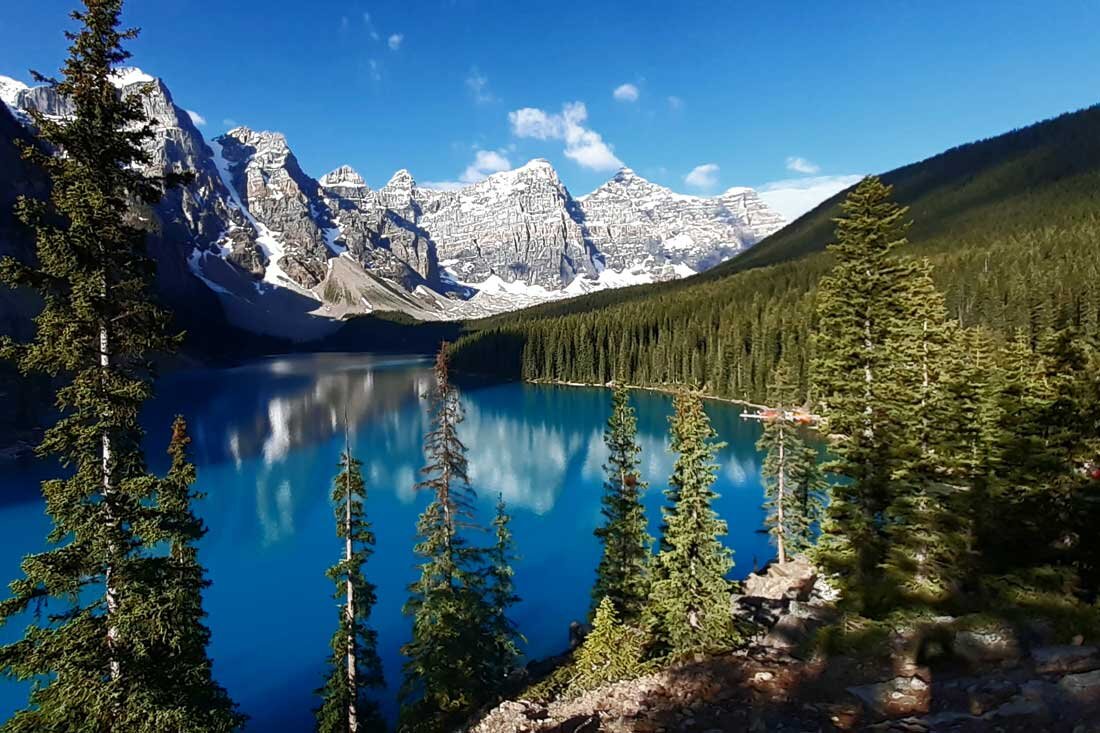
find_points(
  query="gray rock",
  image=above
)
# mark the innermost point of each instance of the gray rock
(1083, 688)
(794, 579)
(990, 644)
(898, 697)
(1064, 659)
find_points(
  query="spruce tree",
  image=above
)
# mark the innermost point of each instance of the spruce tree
(623, 571)
(180, 659)
(927, 525)
(449, 671)
(857, 305)
(501, 596)
(612, 651)
(794, 486)
(354, 666)
(93, 648)
(689, 597)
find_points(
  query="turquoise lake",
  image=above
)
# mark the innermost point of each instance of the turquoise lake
(267, 437)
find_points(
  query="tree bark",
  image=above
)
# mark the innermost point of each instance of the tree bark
(110, 589)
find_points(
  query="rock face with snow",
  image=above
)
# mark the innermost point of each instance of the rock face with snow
(281, 199)
(520, 225)
(631, 220)
(283, 251)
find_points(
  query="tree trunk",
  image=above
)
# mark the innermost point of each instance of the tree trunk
(781, 544)
(353, 685)
(110, 588)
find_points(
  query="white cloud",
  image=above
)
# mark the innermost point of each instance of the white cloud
(625, 93)
(532, 122)
(582, 145)
(703, 177)
(801, 165)
(478, 85)
(196, 119)
(675, 103)
(369, 25)
(794, 197)
(375, 70)
(395, 40)
(229, 122)
(485, 163)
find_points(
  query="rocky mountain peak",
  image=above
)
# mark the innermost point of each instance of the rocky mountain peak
(343, 177)
(10, 89)
(402, 180)
(268, 148)
(124, 76)
(626, 174)
(255, 228)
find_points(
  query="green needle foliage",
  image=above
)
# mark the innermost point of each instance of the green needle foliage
(450, 670)
(857, 309)
(689, 596)
(794, 486)
(354, 666)
(623, 573)
(105, 645)
(612, 651)
(185, 668)
(501, 596)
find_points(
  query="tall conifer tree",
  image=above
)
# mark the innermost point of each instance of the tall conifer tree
(623, 573)
(857, 305)
(927, 525)
(354, 666)
(94, 649)
(689, 596)
(501, 596)
(793, 484)
(449, 671)
(181, 660)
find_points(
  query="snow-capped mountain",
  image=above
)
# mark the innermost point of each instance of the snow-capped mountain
(288, 254)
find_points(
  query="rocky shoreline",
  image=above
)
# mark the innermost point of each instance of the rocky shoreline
(945, 675)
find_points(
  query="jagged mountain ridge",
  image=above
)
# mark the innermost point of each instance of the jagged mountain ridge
(287, 254)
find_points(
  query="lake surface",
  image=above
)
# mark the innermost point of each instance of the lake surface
(267, 438)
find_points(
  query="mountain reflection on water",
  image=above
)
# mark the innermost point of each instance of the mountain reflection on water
(267, 439)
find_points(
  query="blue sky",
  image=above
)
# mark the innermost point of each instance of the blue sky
(717, 94)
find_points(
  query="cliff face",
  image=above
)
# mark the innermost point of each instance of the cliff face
(286, 254)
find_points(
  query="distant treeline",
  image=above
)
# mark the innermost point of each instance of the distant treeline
(1010, 225)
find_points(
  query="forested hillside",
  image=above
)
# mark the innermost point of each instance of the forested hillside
(1010, 226)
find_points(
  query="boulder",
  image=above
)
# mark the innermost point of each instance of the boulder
(794, 579)
(1065, 659)
(762, 611)
(896, 698)
(991, 643)
(1083, 688)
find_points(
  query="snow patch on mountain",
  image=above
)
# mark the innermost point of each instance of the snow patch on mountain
(270, 245)
(127, 75)
(9, 90)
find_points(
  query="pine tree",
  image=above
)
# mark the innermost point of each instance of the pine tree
(612, 651)
(689, 597)
(501, 596)
(199, 703)
(449, 671)
(354, 666)
(93, 650)
(927, 525)
(623, 572)
(857, 306)
(794, 486)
